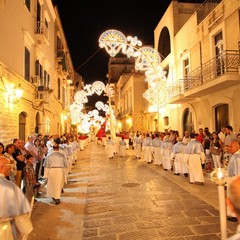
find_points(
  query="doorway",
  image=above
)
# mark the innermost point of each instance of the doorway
(221, 116)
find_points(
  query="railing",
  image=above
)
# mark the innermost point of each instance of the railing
(206, 8)
(42, 29)
(227, 62)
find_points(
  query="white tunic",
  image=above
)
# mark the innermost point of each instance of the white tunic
(55, 170)
(14, 205)
(194, 157)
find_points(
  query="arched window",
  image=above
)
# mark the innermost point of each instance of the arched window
(164, 45)
(22, 125)
(187, 121)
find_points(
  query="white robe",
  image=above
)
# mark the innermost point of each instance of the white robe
(110, 147)
(14, 206)
(166, 153)
(157, 142)
(122, 148)
(194, 157)
(55, 170)
(148, 149)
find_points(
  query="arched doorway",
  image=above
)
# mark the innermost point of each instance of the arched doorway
(37, 123)
(188, 124)
(221, 116)
(22, 125)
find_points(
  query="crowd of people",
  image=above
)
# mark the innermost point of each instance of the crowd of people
(25, 170)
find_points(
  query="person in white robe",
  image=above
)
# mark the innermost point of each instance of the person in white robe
(177, 155)
(56, 168)
(137, 144)
(122, 148)
(147, 148)
(194, 157)
(233, 169)
(157, 143)
(110, 147)
(166, 153)
(15, 222)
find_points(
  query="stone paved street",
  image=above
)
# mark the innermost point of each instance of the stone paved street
(128, 199)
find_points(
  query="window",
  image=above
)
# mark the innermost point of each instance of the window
(186, 70)
(59, 91)
(27, 64)
(27, 3)
(218, 42)
(63, 97)
(186, 67)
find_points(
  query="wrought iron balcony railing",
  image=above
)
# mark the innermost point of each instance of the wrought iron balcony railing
(227, 62)
(42, 32)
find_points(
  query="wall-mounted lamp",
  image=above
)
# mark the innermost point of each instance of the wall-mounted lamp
(14, 93)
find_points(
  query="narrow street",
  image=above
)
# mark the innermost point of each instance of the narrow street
(127, 199)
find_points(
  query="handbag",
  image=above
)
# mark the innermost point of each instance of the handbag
(215, 150)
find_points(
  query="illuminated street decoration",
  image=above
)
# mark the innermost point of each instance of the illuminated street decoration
(98, 87)
(84, 121)
(147, 59)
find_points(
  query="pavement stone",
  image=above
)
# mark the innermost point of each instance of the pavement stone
(127, 199)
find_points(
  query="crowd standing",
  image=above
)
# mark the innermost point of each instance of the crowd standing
(192, 155)
(25, 170)
(34, 165)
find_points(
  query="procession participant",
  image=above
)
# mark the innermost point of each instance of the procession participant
(166, 152)
(137, 143)
(194, 157)
(147, 148)
(15, 222)
(122, 148)
(157, 142)
(55, 170)
(177, 155)
(110, 147)
(233, 169)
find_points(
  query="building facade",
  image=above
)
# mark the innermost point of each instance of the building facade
(131, 107)
(33, 57)
(200, 49)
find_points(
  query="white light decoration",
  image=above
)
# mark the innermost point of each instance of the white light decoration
(99, 105)
(84, 121)
(80, 97)
(109, 91)
(147, 59)
(98, 87)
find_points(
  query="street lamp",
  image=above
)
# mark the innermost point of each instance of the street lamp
(219, 177)
(147, 59)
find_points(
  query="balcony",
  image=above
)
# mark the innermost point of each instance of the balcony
(42, 95)
(41, 33)
(214, 75)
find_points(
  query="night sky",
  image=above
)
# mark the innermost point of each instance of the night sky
(84, 21)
